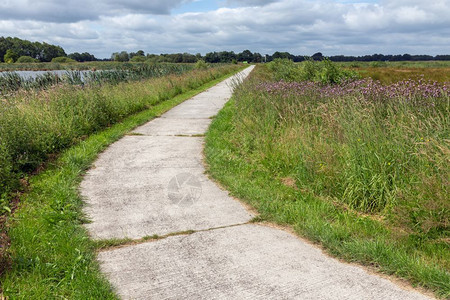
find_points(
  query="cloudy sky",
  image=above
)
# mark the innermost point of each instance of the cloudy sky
(167, 26)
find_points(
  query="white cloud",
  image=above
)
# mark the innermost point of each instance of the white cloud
(297, 26)
(78, 10)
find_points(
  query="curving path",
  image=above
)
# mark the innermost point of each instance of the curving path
(152, 182)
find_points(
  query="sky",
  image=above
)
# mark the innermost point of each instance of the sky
(301, 27)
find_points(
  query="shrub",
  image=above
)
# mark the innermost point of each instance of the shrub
(324, 71)
(63, 59)
(10, 56)
(201, 65)
(138, 58)
(284, 69)
(27, 59)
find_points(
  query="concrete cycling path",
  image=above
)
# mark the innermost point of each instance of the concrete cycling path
(152, 182)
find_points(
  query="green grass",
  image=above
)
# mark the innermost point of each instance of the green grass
(52, 256)
(366, 180)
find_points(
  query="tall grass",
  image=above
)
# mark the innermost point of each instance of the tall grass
(375, 148)
(350, 165)
(35, 125)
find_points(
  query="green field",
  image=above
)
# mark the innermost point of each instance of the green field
(359, 167)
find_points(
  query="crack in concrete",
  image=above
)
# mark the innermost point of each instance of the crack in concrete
(110, 244)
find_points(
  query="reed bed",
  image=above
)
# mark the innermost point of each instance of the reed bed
(11, 81)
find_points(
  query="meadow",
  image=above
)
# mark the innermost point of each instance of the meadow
(358, 166)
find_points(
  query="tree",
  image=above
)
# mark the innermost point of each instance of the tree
(246, 55)
(189, 58)
(212, 57)
(317, 56)
(282, 55)
(85, 56)
(138, 53)
(122, 56)
(10, 56)
(48, 52)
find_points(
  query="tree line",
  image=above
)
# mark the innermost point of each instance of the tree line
(13, 49)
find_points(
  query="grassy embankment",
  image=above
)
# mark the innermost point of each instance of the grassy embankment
(360, 168)
(50, 253)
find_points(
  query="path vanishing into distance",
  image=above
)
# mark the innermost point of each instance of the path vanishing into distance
(152, 182)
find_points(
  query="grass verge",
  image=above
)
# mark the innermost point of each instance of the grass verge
(257, 157)
(52, 256)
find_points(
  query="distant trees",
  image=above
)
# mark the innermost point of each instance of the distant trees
(246, 55)
(137, 56)
(13, 48)
(317, 56)
(282, 55)
(81, 57)
(41, 51)
(230, 56)
(120, 56)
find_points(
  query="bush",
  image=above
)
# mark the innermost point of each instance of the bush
(285, 69)
(324, 71)
(201, 65)
(138, 58)
(10, 56)
(63, 59)
(27, 59)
